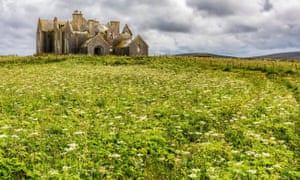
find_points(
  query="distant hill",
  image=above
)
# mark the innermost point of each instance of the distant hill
(283, 56)
(204, 55)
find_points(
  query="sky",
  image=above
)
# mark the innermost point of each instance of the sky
(227, 27)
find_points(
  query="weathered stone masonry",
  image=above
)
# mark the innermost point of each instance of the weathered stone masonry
(81, 36)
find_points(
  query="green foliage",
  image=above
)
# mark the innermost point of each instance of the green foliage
(109, 117)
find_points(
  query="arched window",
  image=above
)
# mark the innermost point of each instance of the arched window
(138, 49)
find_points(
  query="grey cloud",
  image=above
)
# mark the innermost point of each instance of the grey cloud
(241, 28)
(268, 5)
(169, 25)
(121, 4)
(214, 7)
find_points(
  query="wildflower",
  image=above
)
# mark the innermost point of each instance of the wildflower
(33, 119)
(252, 171)
(239, 163)
(272, 138)
(71, 147)
(143, 118)
(65, 168)
(249, 153)
(243, 117)
(64, 116)
(118, 117)
(186, 153)
(79, 133)
(205, 143)
(34, 134)
(111, 123)
(5, 127)
(278, 166)
(197, 133)
(257, 122)
(202, 122)
(265, 154)
(15, 136)
(3, 136)
(115, 155)
(235, 151)
(53, 172)
(193, 176)
(162, 159)
(121, 142)
(102, 169)
(196, 170)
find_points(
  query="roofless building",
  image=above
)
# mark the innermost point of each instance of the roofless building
(81, 36)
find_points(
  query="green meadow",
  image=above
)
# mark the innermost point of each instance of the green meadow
(85, 117)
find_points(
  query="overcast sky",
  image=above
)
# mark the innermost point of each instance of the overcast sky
(227, 27)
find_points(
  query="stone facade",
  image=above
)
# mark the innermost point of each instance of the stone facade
(81, 36)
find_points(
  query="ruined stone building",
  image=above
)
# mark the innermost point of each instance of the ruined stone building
(81, 36)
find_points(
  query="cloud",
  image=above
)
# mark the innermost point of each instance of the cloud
(214, 7)
(217, 26)
(268, 6)
(241, 28)
(169, 25)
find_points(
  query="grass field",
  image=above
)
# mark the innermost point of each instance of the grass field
(81, 117)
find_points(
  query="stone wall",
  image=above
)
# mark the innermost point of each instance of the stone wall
(98, 42)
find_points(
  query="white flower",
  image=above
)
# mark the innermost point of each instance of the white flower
(3, 136)
(278, 166)
(272, 138)
(243, 117)
(15, 136)
(196, 170)
(197, 133)
(239, 163)
(65, 168)
(115, 155)
(265, 154)
(252, 171)
(118, 117)
(193, 176)
(71, 147)
(111, 123)
(143, 118)
(53, 172)
(161, 159)
(121, 142)
(79, 133)
(186, 153)
(235, 151)
(34, 134)
(5, 127)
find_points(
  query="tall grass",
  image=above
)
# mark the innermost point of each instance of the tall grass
(110, 117)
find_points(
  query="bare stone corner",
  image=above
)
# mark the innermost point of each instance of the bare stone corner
(81, 36)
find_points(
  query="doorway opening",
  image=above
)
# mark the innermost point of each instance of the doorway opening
(98, 51)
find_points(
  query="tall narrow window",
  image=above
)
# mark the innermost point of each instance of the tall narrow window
(138, 50)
